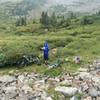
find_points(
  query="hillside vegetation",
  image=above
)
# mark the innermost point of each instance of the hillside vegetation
(74, 36)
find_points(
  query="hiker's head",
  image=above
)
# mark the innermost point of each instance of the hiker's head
(46, 44)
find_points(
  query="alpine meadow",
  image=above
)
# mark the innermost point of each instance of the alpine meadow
(71, 29)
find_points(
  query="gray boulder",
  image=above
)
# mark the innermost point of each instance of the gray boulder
(7, 79)
(66, 82)
(93, 92)
(84, 75)
(26, 89)
(66, 91)
(10, 89)
(21, 78)
(74, 98)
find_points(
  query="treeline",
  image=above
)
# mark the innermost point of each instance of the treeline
(53, 20)
(59, 21)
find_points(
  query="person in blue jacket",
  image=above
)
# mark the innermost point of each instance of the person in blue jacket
(46, 52)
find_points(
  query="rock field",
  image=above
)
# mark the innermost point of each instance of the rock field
(24, 86)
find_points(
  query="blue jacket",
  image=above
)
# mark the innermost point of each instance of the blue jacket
(46, 51)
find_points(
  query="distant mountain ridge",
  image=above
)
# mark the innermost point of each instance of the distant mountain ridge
(34, 8)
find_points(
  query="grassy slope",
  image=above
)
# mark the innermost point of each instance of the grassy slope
(79, 40)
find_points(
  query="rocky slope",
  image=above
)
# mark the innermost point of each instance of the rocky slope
(24, 86)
